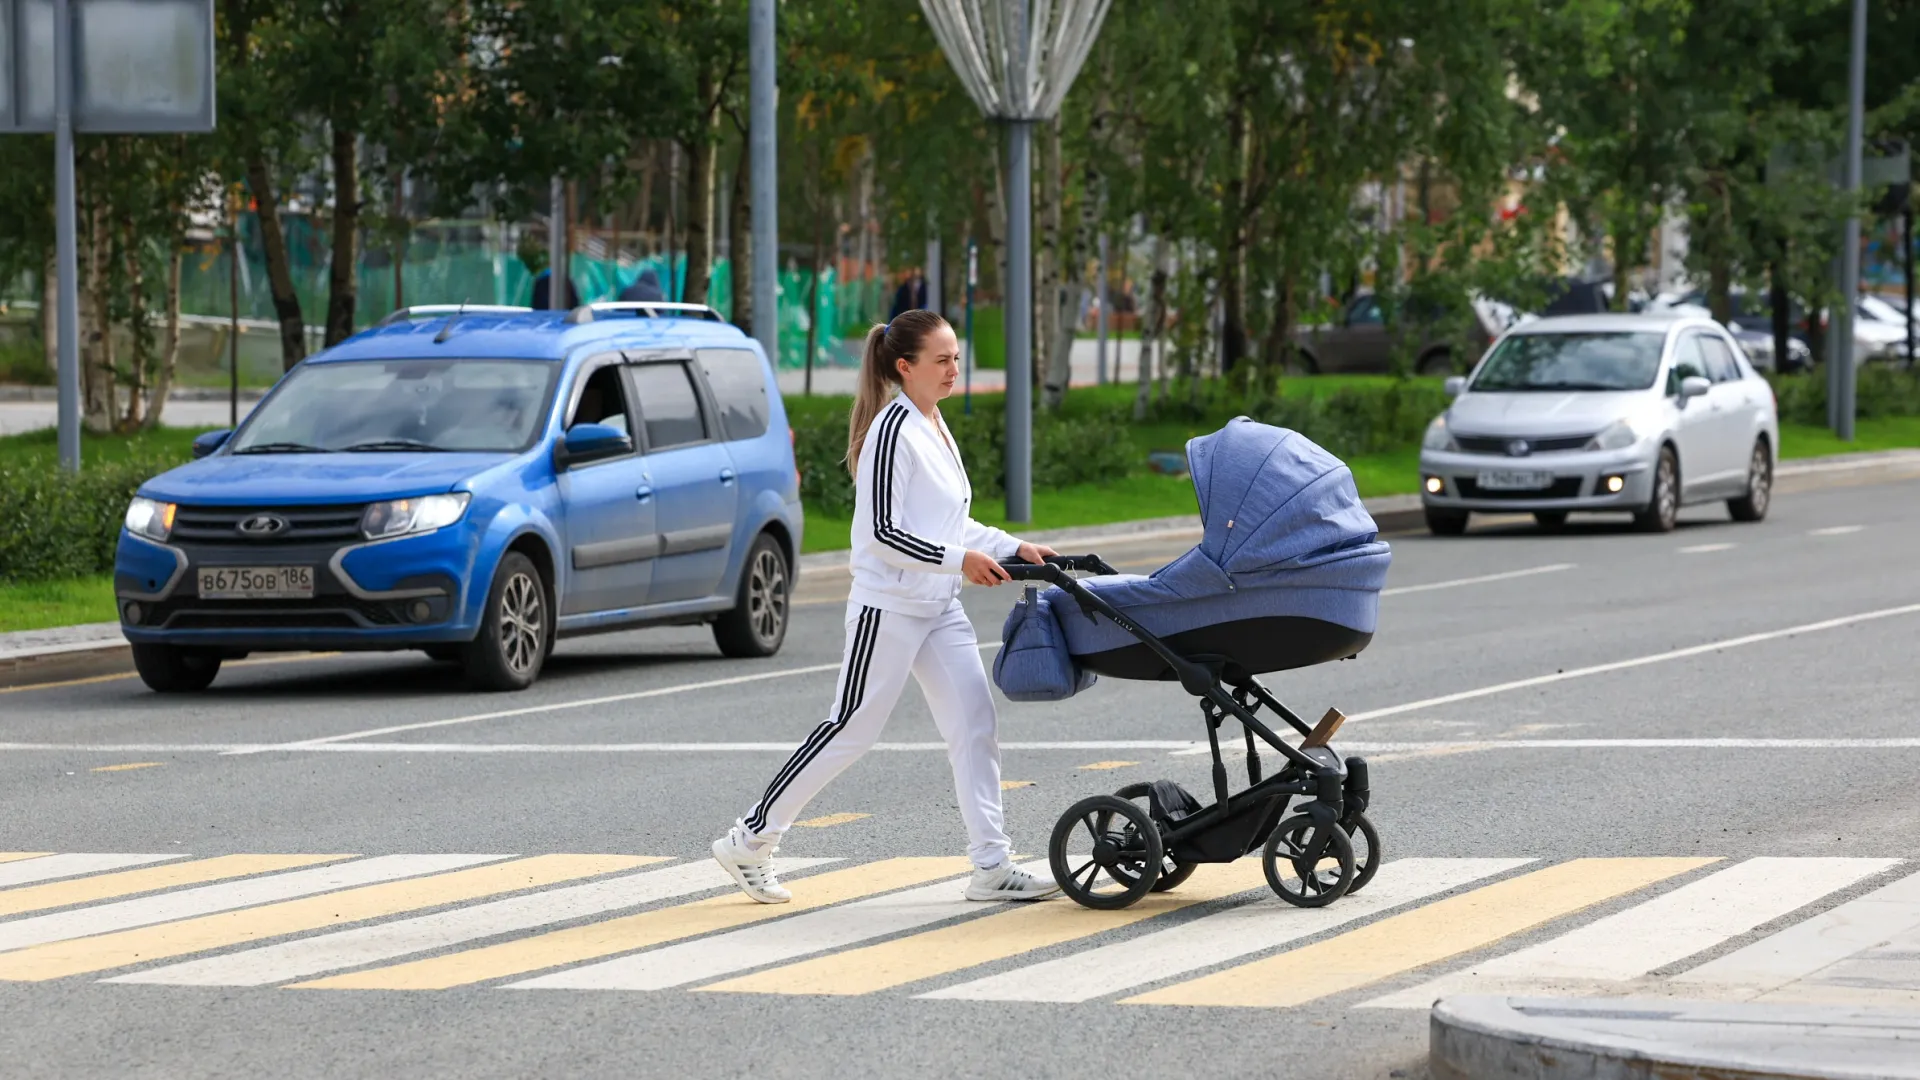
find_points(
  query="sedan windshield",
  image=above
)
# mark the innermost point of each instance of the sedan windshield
(405, 405)
(1592, 361)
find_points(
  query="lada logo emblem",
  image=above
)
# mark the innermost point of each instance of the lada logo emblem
(260, 525)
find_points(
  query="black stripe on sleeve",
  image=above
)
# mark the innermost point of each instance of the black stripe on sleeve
(883, 528)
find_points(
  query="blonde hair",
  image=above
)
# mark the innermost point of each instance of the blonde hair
(879, 378)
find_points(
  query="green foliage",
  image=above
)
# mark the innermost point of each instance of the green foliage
(1351, 420)
(24, 361)
(1881, 390)
(57, 526)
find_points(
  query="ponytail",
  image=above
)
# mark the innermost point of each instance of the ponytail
(879, 378)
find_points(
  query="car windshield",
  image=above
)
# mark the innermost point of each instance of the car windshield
(1592, 361)
(1879, 310)
(376, 405)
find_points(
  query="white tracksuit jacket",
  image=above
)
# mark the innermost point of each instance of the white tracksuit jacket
(912, 520)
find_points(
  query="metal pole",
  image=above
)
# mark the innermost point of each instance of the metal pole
(1019, 313)
(66, 239)
(1100, 348)
(763, 94)
(933, 276)
(1850, 259)
(973, 278)
(556, 244)
(1912, 355)
(233, 311)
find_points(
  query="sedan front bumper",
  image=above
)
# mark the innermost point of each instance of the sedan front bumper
(1579, 480)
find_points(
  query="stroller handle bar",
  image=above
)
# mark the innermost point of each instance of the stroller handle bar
(1055, 568)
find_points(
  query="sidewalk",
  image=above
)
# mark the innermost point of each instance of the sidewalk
(1503, 1038)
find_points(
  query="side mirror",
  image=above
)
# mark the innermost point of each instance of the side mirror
(1455, 385)
(209, 442)
(591, 442)
(1694, 386)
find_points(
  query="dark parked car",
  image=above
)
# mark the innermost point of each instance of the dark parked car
(1359, 340)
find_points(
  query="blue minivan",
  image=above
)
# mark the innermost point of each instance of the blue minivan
(476, 483)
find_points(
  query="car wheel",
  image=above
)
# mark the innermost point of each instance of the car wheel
(1446, 522)
(1550, 520)
(1663, 509)
(1437, 362)
(757, 623)
(1753, 505)
(170, 669)
(511, 647)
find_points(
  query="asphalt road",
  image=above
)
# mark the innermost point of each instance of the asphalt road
(1730, 691)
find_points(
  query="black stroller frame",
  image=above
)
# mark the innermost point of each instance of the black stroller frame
(1310, 858)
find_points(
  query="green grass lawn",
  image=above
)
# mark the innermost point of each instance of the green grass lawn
(40, 604)
(43, 445)
(1880, 433)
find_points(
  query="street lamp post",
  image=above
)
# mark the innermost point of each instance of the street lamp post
(1017, 59)
(1842, 379)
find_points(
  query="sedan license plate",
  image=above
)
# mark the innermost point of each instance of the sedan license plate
(1514, 480)
(256, 583)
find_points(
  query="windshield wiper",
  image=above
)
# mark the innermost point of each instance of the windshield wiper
(391, 444)
(281, 448)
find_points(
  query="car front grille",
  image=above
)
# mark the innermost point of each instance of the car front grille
(1498, 444)
(1566, 487)
(302, 524)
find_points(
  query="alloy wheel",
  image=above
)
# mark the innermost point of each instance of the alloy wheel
(522, 623)
(1667, 490)
(767, 596)
(1760, 480)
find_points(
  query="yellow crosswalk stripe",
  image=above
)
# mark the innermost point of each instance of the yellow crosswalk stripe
(16, 856)
(1425, 935)
(86, 890)
(56, 959)
(979, 941)
(630, 933)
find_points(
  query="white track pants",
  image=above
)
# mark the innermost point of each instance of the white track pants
(943, 654)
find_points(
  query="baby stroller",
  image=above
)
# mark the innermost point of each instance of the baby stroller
(1287, 574)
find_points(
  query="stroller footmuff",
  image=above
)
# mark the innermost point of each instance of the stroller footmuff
(1287, 574)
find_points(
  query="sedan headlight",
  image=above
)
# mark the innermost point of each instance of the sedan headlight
(1437, 436)
(150, 518)
(1618, 436)
(423, 513)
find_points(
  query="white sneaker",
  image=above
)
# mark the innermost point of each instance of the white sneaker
(1010, 882)
(752, 869)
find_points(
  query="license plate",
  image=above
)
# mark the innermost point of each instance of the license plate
(1514, 480)
(256, 583)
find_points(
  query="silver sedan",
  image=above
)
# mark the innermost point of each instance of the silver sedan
(1641, 413)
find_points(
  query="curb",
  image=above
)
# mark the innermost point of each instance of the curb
(1502, 1038)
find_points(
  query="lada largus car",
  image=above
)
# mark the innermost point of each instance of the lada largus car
(476, 483)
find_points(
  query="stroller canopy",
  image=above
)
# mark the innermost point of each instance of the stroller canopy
(1272, 500)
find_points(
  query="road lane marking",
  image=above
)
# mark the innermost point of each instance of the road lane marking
(1218, 938)
(1101, 766)
(1826, 939)
(1664, 930)
(104, 952)
(1425, 935)
(341, 949)
(1836, 530)
(630, 933)
(88, 890)
(1705, 549)
(979, 941)
(27, 867)
(207, 899)
(1641, 661)
(1014, 785)
(129, 766)
(1552, 568)
(771, 943)
(828, 821)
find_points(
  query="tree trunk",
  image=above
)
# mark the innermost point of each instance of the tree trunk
(286, 302)
(649, 164)
(997, 225)
(169, 344)
(141, 333)
(813, 297)
(50, 313)
(1233, 255)
(1052, 370)
(1780, 304)
(1150, 322)
(343, 277)
(1719, 254)
(97, 361)
(740, 246)
(700, 213)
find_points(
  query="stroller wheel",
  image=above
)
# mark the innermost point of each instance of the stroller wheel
(1307, 866)
(1105, 852)
(1366, 850)
(1172, 870)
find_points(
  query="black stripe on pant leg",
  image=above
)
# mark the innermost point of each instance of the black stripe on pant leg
(853, 689)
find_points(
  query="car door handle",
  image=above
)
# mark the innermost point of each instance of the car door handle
(726, 476)
(643, 493)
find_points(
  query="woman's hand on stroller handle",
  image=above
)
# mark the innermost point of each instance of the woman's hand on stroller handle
(981, 569)
(1034, 553)
(1054, 566)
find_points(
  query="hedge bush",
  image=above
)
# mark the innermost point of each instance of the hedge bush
(57, 526)
(1350, 421)
(1879, 390)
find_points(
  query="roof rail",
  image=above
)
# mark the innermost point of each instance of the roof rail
(651, 309)
(430, 311)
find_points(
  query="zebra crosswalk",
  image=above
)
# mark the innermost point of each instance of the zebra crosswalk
(1831, 929)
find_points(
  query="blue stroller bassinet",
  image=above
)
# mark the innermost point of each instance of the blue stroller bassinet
(1287, 574)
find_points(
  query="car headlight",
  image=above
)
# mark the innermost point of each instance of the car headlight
(1618, 436)
(423, 513)
(150, 518)
(1437, 436)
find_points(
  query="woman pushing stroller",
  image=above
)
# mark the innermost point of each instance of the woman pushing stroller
(914, 540)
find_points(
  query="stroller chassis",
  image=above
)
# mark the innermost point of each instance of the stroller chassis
(1309, 857)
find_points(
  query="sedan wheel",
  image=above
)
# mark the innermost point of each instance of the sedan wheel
(1753, 505)
(1663, 509)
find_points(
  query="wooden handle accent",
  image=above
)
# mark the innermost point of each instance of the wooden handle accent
(1322, 733)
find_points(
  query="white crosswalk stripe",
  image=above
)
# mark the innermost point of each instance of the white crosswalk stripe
(1666, 929)
(207, 899)
(1593, 926)
(343, 949)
